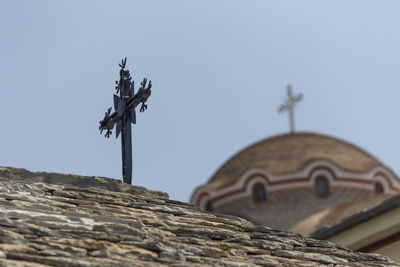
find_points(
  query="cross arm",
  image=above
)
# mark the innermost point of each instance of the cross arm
(298, 98)
(110, 119)
(140, 97)
(283, 107)
(108, 122)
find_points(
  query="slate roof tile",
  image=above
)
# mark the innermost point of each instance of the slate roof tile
(49, 219)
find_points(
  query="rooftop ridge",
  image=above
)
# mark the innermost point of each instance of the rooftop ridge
(104, 183)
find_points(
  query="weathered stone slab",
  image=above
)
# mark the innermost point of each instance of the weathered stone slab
(49, 219)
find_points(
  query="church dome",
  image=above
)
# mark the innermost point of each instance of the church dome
(284, 179)
(290, 153)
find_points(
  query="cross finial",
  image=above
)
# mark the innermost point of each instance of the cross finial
(289, 105)
(125, 114)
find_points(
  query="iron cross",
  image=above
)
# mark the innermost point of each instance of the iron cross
(125, 114)
(289, 105)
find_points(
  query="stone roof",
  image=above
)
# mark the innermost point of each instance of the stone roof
(334, 216)
(69, 220)
(372, 209)
(290, 153)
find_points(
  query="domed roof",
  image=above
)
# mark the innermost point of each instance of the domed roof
(290, 153)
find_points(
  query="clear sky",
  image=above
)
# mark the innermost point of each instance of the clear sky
(219, 71)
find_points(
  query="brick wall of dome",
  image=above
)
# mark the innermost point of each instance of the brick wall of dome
(283, 209)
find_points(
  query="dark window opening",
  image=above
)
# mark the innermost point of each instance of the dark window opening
(209, 206)
(322, 186)
(259, 193)
(378, 188)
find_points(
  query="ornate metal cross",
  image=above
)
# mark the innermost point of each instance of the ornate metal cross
(289, 105)
(125, 114)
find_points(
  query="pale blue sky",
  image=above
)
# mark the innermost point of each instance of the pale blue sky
(219, 72)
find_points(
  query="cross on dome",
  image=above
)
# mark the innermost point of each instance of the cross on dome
(289, 105)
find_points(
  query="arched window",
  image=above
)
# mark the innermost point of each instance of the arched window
(209, 206)
(259, 193)
(322, 186)
(378, 188)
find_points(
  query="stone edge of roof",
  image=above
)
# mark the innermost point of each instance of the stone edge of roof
(309, 253)
(79, 181)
